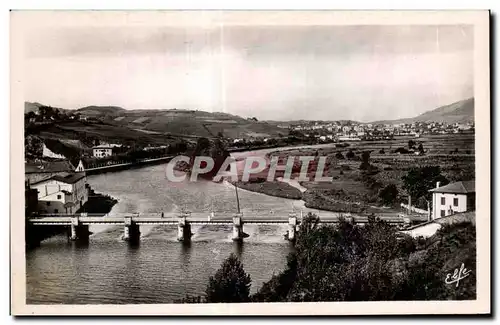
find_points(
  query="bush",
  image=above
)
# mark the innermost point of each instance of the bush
(339, 155)
(401, 150)
(349, 154)
(230, 283)
(381, 151)
(365, 158)
(389, 194)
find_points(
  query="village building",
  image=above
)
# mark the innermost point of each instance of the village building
(37, 171)
(105, 150)
(80, 167)
(62, 193)
(453, 198)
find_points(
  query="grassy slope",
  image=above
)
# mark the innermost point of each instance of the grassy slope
(189, 122)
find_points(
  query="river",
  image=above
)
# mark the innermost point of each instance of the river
(160, 269)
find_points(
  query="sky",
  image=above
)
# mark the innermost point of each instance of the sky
(362, 73)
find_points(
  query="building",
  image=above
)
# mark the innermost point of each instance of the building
(80, 167)
(453, 198)
(37, 171)
(62, 193)
(105, 150)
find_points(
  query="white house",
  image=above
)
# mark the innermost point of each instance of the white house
(62, 193)
(453, 198)
(104, 150)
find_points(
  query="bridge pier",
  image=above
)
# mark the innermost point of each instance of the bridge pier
(183, 229)
(292, 226)
(78, 231)
(131, 230)
(237, 228)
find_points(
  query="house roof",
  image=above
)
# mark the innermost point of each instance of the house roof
(64, 177)
(48, 167)
(107, 146)
(68, 178)
(462, 187)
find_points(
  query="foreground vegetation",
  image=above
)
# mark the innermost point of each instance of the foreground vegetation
(355, 263)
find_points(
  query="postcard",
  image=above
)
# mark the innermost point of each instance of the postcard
(250, 162)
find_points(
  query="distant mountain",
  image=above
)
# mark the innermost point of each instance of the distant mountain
(458, 112)
(100, 110)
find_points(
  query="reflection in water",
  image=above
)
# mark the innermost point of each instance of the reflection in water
(238, 245)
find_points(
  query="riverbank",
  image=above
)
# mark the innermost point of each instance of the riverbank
(276, 188)
(98, 203)
(349, 192)
(124, 166)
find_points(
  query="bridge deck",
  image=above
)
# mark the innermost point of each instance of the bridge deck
(158, 220)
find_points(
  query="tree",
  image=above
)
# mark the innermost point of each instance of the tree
(421, 148)
(389, 194)
(230, 283)
(339, 155)
(411, 144)
(365, 160)
(381, 151)
(295, 133)
(201, 145)
(349, 154)
(419, 180)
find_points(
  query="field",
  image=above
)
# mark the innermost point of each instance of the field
(356, 190)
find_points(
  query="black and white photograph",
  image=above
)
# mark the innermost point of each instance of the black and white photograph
(216, 162)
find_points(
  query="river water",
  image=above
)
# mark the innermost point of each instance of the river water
(160, 269)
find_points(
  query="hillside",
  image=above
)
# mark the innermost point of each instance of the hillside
(35, 107)
(70, 135)
(99, 110)
(183, 122)
(458, 112)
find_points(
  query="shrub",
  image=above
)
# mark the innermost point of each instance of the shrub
(401, 150)
(230, 283)
(389, 194)
(365, 158)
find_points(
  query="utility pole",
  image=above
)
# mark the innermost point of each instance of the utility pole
(237, 198)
